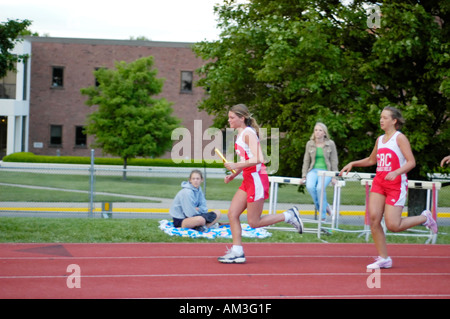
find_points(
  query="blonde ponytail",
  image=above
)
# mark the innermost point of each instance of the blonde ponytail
(241, 110)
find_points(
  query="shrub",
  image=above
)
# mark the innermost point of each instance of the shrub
(28, 157)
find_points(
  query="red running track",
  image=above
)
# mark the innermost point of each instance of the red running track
(167, 270)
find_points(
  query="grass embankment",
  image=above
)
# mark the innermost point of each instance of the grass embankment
(88, 230)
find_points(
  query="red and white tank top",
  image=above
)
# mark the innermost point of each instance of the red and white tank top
(389, 158)
(244, 152)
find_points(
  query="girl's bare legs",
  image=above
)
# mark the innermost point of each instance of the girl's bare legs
(196, 221)
(254, 211)
(193, 222)
(237, 207)
(395, 222)
(376, 210)
(393, 219)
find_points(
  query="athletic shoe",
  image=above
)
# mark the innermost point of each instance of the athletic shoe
(430, 223)
(215, 225)
(295, 220)
(202, 229)
(232, 258)
(381, 262)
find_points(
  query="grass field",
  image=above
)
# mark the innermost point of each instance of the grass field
(80, 230)
(163, 187)
(25, 229)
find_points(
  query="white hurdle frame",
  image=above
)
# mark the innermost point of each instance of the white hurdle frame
(366, 180)
(273, 199)
(350, 175)
(431, 205)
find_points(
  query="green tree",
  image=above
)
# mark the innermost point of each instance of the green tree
(295, 62)
(9, 33)
(129, 121)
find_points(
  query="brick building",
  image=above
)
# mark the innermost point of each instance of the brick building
(14, 104)
(60, 67)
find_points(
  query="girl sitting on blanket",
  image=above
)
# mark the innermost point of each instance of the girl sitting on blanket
(188, 209)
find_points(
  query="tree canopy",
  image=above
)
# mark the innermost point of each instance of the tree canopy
(130, 121)
(296, 62)
(9, 36)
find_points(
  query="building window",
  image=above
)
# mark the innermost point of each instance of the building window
(55, 134)
(186, 81)
(80, 137)
(25, 79)
(8, 85)
(57, 77)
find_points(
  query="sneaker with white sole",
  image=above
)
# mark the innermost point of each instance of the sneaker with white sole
(295, 220)
(430, 223)
(381, 262)
(232, 257)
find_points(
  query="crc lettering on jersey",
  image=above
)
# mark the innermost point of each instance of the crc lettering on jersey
(384, 162)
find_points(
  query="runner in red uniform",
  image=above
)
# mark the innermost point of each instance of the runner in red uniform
(389, 159)
(255, 185)
(394, 158)
(256, 181)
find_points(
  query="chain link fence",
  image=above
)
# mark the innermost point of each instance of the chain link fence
(98, 191)
(59, 190)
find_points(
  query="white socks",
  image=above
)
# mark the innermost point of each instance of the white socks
(239, 250)
(287, 216)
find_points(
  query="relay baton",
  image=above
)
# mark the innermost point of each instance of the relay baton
(223, 158)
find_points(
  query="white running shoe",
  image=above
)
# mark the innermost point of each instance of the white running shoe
(232, 258)
(295, 220)
(430, 223)
(381, 262)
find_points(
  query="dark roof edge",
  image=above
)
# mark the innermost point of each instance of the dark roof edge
(111, 42)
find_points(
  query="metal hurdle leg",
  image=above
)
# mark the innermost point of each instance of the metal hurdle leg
(366, 215)
(336, 202)
(322, 196)
(335, 223)
(273, 197)
(434, 199)
(336, 208)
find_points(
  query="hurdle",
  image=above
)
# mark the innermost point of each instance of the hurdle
(335, 220)
(273, 199)
(366, 181)
(431, 205)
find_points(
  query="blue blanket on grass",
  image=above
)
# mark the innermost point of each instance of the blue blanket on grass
(212, 233)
